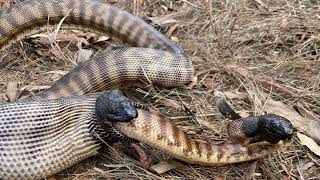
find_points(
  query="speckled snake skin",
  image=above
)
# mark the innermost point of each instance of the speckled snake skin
(42, 137)
(160, 61)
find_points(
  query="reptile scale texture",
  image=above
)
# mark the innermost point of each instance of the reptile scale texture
(41, 138)
(159, 61)
(49, 132)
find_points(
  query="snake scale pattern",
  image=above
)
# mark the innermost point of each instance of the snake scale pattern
(41, 138)
(49, 133)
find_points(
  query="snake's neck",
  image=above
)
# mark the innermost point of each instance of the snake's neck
(105, 134)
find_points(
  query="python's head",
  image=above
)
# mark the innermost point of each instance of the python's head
(113, 106)
(274, 128)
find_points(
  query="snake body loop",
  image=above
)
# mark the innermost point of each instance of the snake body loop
(122, 67)
(41, 138)
(35, 16)
(157, 61)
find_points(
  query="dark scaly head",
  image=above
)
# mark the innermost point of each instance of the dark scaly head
(113, 106)
(274, 128)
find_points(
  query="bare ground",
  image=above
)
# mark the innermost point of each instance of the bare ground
(249, 48)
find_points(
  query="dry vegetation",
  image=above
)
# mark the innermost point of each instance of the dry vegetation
(245, 49)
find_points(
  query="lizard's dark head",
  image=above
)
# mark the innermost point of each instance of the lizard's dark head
(115, 107)
(275, 128)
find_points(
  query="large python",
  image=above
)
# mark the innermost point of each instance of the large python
(42, 137)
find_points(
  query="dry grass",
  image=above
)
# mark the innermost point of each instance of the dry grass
(264, 40)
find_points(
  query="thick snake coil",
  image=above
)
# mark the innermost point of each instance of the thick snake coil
(161, 62)
(40, 138)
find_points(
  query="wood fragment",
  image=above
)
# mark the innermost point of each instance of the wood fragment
(12, 91)
(165, 166)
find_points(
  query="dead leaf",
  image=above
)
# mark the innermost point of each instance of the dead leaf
(193, 82)
(59, 72)
(100, 171)
(4, 97)
(219, 177)
(171, 30)
(101, 39)
(209, 83)
(284, 24)
(114, 165)
(303, 71)
(286, 178)
(144, 158)
(31, 87)
(252, 171)
(170, 103)
(307, 126)
(233, 67)
(41, 39)
(190, 129)
(56, 54)
(166, 19)
(62, 36)
(33, 74)
(243, 113)
(306, 166)
(174, 39)
(83, 55)
(165, 166)
(214, 55)
(206, 70)
(4, 60)
(214, 127)
(55, 77)
(244, 72)
(82, 41)
(262, 4)
(232, 94)
(274, 83)
(307, 141)
(12, 91)
(306, 113)
(162, 20)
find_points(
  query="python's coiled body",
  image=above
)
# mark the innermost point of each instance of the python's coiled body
(34, 16)
(40, 138)
(122, 67)
(160, 61)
